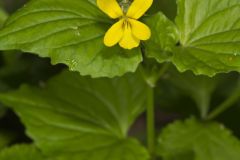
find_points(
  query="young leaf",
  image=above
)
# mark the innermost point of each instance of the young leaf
(209, 36)
(21, 152)
(164, 37)
(81, 118)
(196, 140)
(69, 32)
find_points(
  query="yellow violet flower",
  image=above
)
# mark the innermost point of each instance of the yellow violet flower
(128, 31)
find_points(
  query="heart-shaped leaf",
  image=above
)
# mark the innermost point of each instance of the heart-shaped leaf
(80, 118)
(69, 32)
(196, 140)
(209, 36)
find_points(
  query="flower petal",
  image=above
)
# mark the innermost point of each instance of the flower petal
(110, 7)
(138, 8)
(128, 41)
(114, 34)
(140, 30)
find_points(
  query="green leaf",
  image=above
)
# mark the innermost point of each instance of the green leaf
(3, 17)
(69, 32)
(128, 149)
(21, 152)
(164, 37)
(6, 137)
(209, 36)
(79, 118)
(199, 141)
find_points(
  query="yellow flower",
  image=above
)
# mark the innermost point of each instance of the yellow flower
(128, 32)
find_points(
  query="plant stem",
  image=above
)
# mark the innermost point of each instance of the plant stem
(162, 71)
(151, 75)
(203, 101)
(150, 122)
(225, 105)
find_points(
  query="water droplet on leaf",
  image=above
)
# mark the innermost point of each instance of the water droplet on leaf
(76, 29)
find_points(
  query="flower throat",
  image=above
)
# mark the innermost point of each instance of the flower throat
(125, 4)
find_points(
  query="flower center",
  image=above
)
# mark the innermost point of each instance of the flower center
(126, 23)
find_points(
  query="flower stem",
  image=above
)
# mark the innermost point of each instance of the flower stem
(150, 122)
(225, 105)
